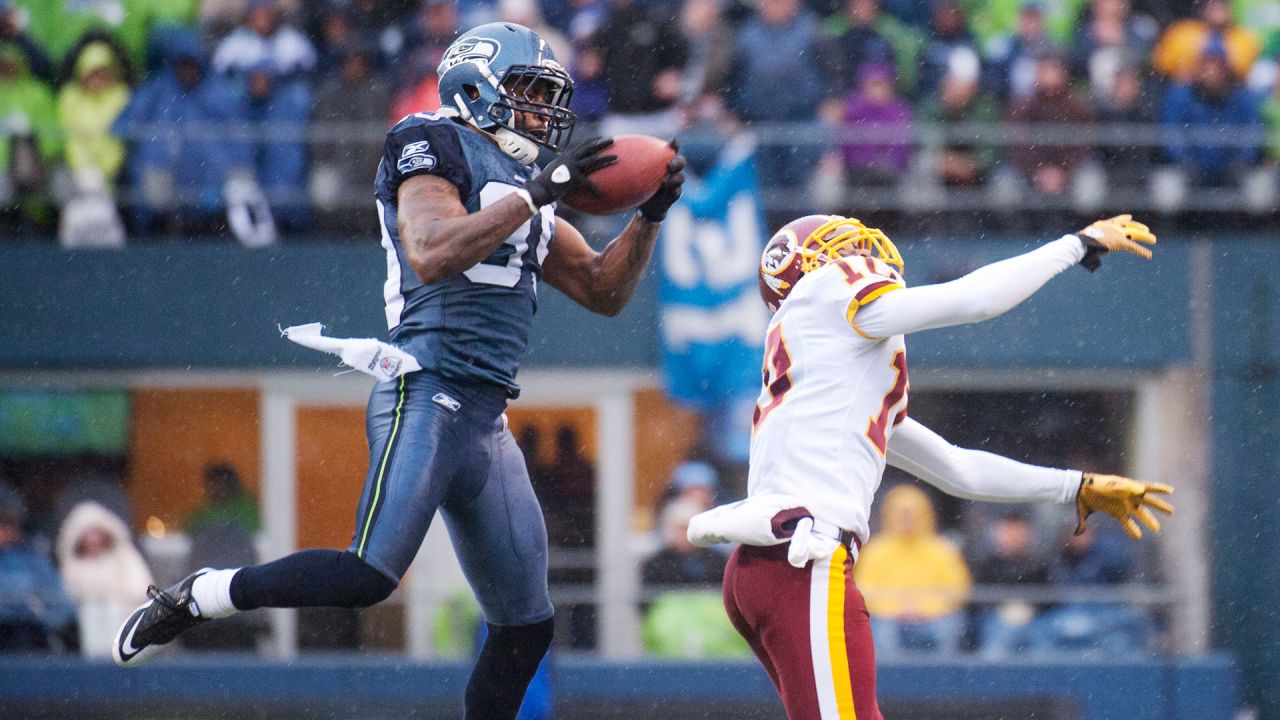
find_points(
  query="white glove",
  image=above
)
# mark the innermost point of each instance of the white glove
(807, 546)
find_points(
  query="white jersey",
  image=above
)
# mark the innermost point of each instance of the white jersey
(832, 395)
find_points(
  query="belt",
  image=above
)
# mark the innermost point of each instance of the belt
(848, 538)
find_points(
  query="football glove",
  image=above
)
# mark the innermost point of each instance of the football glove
(1122, 499)
(1121, 232)
(569, 171)
(655, 208)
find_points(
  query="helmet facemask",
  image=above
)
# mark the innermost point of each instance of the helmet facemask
(538, 91)
(841, 236)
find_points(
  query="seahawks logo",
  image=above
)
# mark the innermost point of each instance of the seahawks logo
(472, 49)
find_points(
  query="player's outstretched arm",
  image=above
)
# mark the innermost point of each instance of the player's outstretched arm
(994, 289)
(603, 282)
(978, 475)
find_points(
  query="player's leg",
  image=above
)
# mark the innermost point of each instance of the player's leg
(812, 625)
(412, 459)
(498, 531)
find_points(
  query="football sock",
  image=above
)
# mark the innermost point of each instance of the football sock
(311, 578)
(507, 662)
(212, 594)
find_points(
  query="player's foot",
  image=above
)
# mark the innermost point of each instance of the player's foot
(157, 622)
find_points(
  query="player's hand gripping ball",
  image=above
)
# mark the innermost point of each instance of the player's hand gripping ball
(647, 175)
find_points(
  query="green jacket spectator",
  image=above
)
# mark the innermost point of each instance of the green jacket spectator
(58, 25)
(87, 106)
(26, 107)
(992, 20)
(691, 624)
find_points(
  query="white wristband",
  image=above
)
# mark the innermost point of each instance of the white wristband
(528, 199)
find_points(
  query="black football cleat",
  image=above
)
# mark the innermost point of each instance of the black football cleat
(157, 622)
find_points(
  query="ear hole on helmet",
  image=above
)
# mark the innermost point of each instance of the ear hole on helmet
(473, 93)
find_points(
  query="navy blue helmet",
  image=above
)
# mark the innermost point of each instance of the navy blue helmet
(498, 72)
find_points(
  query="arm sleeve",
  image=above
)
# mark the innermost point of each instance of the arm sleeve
(981, 295)
(974, 474)
(426, 150)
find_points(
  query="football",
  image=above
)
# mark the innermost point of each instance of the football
(641, 167)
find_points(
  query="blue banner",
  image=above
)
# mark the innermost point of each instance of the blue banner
(713, 321)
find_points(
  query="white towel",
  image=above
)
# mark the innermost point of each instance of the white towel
(372, 357)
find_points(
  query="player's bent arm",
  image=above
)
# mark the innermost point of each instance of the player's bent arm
(602, 282)
(974, 474)
(985, 293)
(440, 238)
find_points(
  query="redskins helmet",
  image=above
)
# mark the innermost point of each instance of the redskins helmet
(806, 244)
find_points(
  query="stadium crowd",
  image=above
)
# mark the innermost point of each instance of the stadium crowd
(265, 117)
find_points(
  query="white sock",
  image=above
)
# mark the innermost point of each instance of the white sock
(212, 593)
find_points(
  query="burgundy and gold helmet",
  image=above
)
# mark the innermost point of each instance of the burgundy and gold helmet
(806, 244)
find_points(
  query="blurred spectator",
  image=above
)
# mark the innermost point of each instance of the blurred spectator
(876, 108)
(1049, 167)
(695, 481)
(857, 42)
(264, 38)
(1127, 101)
(1212, 102)
(948, 35)
(1184, 44)
(571, 498)
(434, 27)
(35, 612)
(13, 31)
(1110, 630)
(58, 24)
(94, 96)
(680, 562)
(350, 107)
(643, 55)
(219, 17)
(1271, 116)
(280, 108)
(225, 502)
(1010, 560)
(103, 572)
(710, 46)
(690, 622)
(1013, 59)
(914, 580)
(1111, 38)
(176, 127)
(30, 141)
(777, 49)
(960, 99)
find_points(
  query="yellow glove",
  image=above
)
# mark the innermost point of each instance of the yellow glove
(1122, 499)
(1121, 233)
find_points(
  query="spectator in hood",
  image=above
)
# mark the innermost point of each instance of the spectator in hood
(1180, 49)
(279, 109)
(31, 143)
(103, 573)
(1049, 168)
(1012, 71)
(876, 108)
(88, 104)
(1213, 101)
(948, 34)
(264, 38)
(176, 127)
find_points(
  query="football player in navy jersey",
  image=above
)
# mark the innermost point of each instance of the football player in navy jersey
(469, 229)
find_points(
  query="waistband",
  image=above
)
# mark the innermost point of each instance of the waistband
(475, 398)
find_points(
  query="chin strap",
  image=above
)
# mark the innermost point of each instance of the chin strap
(521, 148)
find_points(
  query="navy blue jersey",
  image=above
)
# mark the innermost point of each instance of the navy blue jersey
(474, 326)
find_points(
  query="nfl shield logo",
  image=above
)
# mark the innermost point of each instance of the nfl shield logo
(389, 365)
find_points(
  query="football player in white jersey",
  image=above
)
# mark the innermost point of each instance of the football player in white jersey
(833, 412)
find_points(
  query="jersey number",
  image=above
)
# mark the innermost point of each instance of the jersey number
(878, 426)
(777, 375)
(507, 274)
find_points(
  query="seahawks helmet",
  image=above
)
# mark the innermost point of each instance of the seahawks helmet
(499, 70)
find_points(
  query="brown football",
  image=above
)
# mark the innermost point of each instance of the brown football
(641, 167)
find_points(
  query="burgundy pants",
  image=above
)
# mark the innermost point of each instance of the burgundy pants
(810, 630)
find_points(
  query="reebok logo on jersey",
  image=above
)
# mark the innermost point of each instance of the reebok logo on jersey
(560, 175)
(446, 401)
(416, 156)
